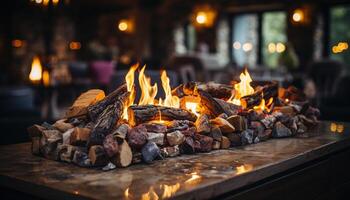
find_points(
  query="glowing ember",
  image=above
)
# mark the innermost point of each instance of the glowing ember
(192, 107)
(36, 71)
(243, 88)
(262, 106)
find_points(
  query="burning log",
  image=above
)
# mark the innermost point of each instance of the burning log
(238, 122)
(252, 100)
(266, 92)
(97, 155)
(270, 90)
(210, 106)
(202, 124)
(184, 89)
(95, 110)
(140, 114)
(216, 90)
(124, 156)
(179, 125)
(228, 108)
(81, 104)
(150, 152)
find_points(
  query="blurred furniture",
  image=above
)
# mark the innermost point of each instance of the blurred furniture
(179, 62)
(325, 73)
(102, 71)
(17, 113)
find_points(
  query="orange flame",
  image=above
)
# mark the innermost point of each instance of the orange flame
(192, 107)
(170, 190)
(243, 88)
(170, 100)
(148, 91)
(36, 71)
(262, 106)
(150, 195)
(244, 168)
(129, 78)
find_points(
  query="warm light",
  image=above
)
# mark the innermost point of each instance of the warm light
(280, 47)
(36, 70)
(244, 168)
(150, 195)
(192, 107)
(298, 15)
(201, 18)
(38, 1)
(55, 2)
(237, 45)
(340, 128)
(126, 193)
(243, 88)
(129, 79)
(148, 91)
(123, 26)
(17, 43)
(194, 178)
(271, 47)
(333, 127)
(170, 100)
(74, 45)
(262, 106)
(286, 100)
(46, 2)
(247, 46)
(340, 47)
(46, 78)
(170, 190)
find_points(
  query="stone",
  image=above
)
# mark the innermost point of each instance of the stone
(187, 147)
(216, 145)
(215, 133)
(280, 131)
(235, 139)
(157, 138)
(62, 126)
(175, 138)
(66, 136)
(202, 124)
(67, 152)
(258, 128)
(98, 156)
(81, 159)
(205, 143)
(247, 137)
(223, 124)
(110, 145)
(237, 121)
(109, 166)
(170, 151)
(225, 143)
(155, 128)
(137, 137)
(267, 134)
(150, 152)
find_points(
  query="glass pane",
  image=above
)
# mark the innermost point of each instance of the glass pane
(245, 39)
(340, 33)
(274, 37)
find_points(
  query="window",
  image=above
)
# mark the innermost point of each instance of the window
(245, 39)
(273, 37)
(340, 33)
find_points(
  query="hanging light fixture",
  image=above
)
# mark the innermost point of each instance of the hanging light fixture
(204, 16)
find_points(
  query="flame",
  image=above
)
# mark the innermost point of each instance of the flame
(149, 92)
(262, 106)
(244, 168)
(192, 107)
(129, 78)
(36, 70)
(243, 88)
(170, 190)
(150, 195)
(170, 100)
(46, 78)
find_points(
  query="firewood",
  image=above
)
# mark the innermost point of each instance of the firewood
(225, 143)
(121, 131)
(170, 151)
(67, 152)
(80, 136)
(48, 143)
(62, 126)
(81, 159)
(215, 133)
(210, 106)
(146, 113)
(224, 125)
(216, 145)
(96, 109)
(187, 147)
(237, 121)
(175, 138)
(205, 142)
(80, 105)
(228, 108)
(247, 137)
(137, 137)
(184, 89)
(216, 90)
(270, 90)
(97, 155)
(155, 127)
(280, 131)
(35, 145)
(202, 124)
(150, 152)
(35, 130)
(124, 156)
(190, 99)
(157, 138)
(110, 145)
(66, 136)
(252, 100)
(179, 125)
(48, 126)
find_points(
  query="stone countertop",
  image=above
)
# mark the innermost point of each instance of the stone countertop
(199, 176)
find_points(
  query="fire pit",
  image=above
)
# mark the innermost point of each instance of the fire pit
(115, 131)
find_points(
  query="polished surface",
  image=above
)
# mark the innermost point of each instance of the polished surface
(197, 176)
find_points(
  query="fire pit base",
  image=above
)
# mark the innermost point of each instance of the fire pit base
(309, 166)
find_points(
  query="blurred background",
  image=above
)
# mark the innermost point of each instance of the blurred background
(52, 50)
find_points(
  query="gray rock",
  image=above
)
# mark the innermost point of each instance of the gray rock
(280, 131)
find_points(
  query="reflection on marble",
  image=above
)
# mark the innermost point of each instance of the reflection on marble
(186, 177)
